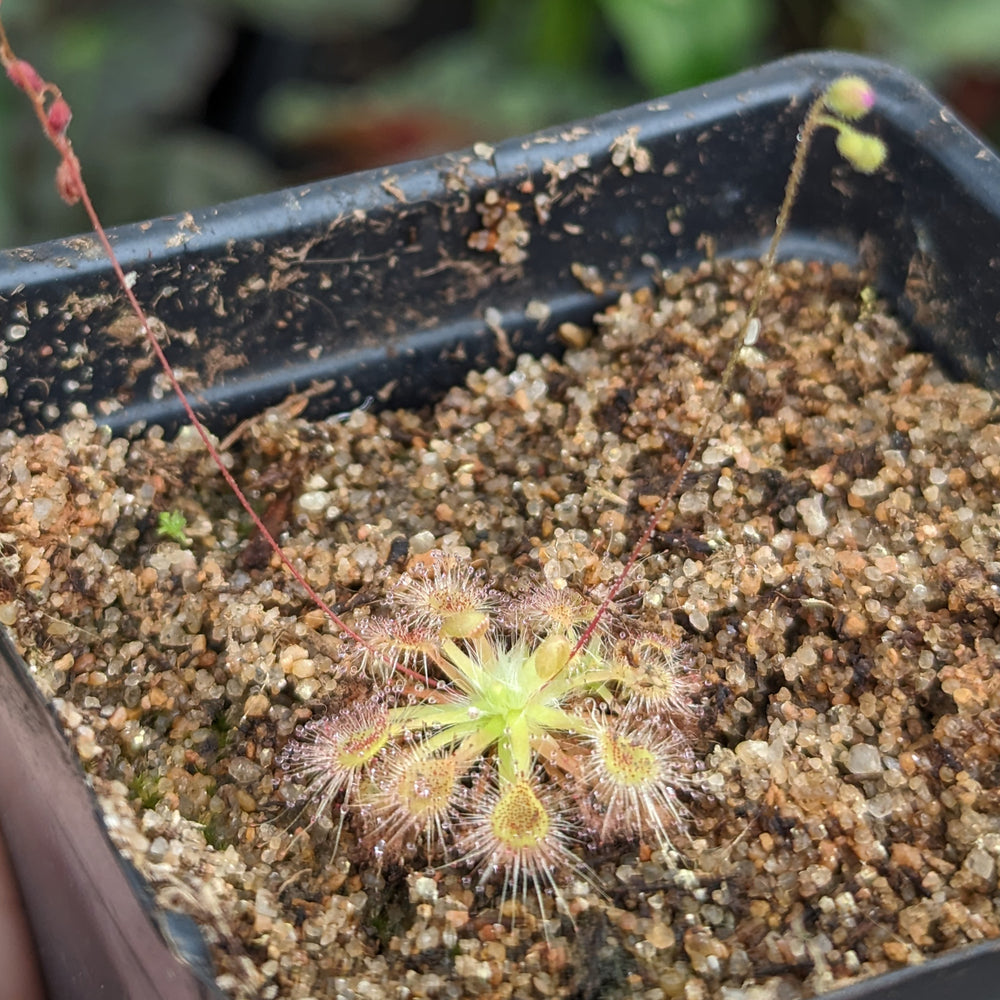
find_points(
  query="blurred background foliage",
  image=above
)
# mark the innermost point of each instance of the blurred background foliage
(183, 103)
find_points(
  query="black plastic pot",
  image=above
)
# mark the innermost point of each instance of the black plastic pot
(369, 282)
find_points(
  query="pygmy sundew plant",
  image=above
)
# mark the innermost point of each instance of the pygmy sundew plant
(513, 747)
(499, 731)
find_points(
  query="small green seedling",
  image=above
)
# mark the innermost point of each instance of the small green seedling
(172, 524)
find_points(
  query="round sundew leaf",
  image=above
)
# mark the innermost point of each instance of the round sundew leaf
(519, 819)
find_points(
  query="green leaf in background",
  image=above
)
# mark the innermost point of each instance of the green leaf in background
(185, 168)
(672, 44)
(556, 34)
(926, 36)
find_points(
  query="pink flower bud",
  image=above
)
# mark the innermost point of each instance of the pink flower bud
(68, 182)
(58, 117)
(22, 74)
(850, 97)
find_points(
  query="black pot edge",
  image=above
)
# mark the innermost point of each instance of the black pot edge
(918, 243)
(903, 101)
(905, 105)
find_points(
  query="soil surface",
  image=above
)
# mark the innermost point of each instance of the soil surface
(831, 561)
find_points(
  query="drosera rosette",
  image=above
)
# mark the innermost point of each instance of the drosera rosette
(511, 750)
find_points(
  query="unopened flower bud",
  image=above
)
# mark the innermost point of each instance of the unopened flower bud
(552, 655)
(58, 117)
(68, 182)
(22, 74)
(850, 97)
(865, 153)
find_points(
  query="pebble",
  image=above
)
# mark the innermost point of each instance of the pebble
(256, 706)
(245, 771)
(864, 759)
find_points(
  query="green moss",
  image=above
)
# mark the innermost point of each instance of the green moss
(145, 788)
